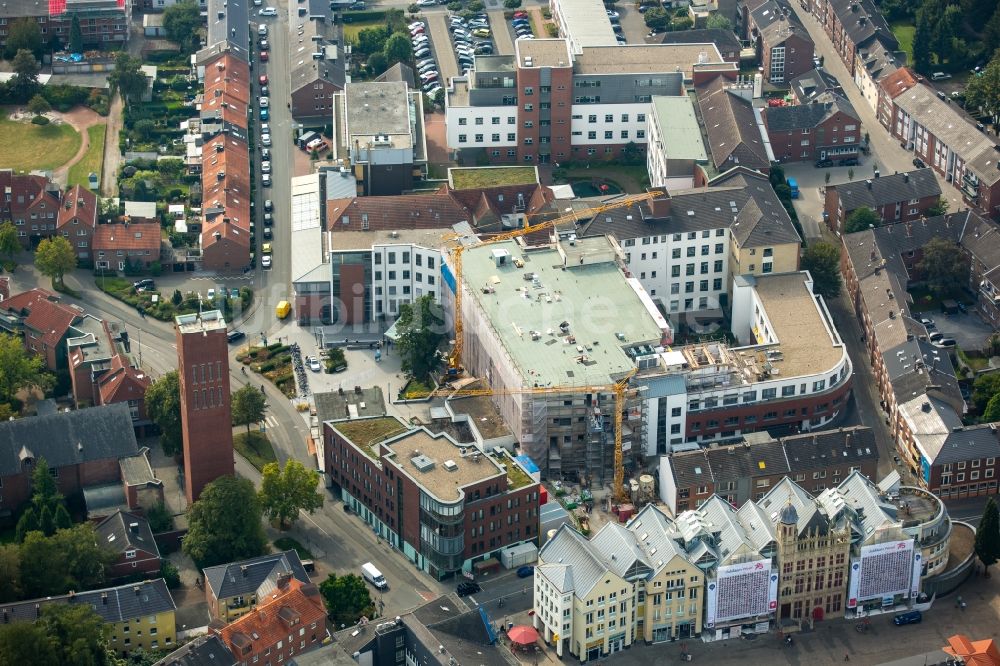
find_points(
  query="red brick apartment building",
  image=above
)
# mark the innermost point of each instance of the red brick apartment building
(42, 322)
(128, 535)
(854, 26)
(899, 197)
(103, 23)
(783, 46)
(826, 129)
(444, 506)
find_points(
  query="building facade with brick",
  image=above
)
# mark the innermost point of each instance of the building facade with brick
(77, 220)
(828, 128)
(42, 322)
(899, 197)
(784, 48)
(103, 23)
(854, 26)
(206, 414)
(444, 506)
(127, 247)
(128, 535)
(232, 590)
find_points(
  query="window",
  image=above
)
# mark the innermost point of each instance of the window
(609, 135)
(787, 391)
(609, 118)
(463, 138)
(129, 554)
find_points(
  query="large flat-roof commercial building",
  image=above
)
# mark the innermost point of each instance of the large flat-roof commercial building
(557, 100)
(557, 315)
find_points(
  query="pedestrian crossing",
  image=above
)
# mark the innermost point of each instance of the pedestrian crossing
(270, 421)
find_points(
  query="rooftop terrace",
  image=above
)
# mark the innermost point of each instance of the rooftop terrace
(436, 463)
(367, 434)
(566, 316)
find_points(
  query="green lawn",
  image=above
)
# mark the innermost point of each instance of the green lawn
(24, 146)
(472, 179)
(366, 433)
(93, 159)
(351, 30)
(288, 543)
(255, 447)
(904, 35)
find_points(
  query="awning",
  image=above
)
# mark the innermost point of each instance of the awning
(522, 634)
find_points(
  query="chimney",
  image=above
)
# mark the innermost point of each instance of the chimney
(243, 570)
(104, 598)
(869, 183)
(357, 390)
(847, 441)
(909, 230)
(906, 177)
(38, 611)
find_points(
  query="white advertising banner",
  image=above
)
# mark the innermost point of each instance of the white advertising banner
(742, 590)
(883, 570)
(918, 567)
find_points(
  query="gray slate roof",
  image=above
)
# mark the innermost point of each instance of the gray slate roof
(813, 83)
(228, 27)
(768, 223)
(248, 576)
(851, 446)
(862, 22)
(807, 116)
(113, 604)
(888, 189)
(776, 22)
(733, 135)
(68, 438)
(202, 651)
(115, 532)
(971, 442)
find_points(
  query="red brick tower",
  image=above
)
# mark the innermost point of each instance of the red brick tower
(206, 416)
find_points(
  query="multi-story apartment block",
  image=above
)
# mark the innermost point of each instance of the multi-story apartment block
(583, 23)
(732, 128)
(77, 221)
(748, 470)
(916, 380)
(828, 128)
(808, 86)
(319, 68)
(676, 158)
(889, 88)
(380, 131)
(949, 142)
(548, 102)
(444, 506)
(103, 23)
(899, 197)
(42, 322)
(140, 615)
(784, 48)
(233, 590)
(854, 26)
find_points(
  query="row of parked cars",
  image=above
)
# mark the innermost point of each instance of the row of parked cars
(470, 38)
(616, 25)
(521, 26)
(427, 68)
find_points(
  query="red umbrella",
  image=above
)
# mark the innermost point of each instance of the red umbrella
(522, 634)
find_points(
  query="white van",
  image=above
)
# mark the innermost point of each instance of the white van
(374, 576)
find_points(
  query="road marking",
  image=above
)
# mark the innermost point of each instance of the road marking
(271, 421)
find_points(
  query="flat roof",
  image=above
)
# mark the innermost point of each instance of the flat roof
(470, 178)
(366, 240)
(679, 127)
(646, 58)
(590, 294)
(482, 412)
(547, 52)
(458, 91)
(209, 320)
(442, 470)
(803, 336)
(306, 235)
(377, 108)
(368, 433)
(586, 22)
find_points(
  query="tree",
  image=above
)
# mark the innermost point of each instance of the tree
(224, 524)
(144, 128)
(26, 643)
(177, 297)
(988, 536)
(940, 208)
(978, 11)
(44, 491)
(26, 524)
(347, 599)
(62, 518)
(656, 18)
(984, 387)
(46, 523)
(922, 37)
(372, 40)
(397, 49)
(248, 405)
(945, 266)
(26, 34)
(79, 634)
(10, 574)
(946, 31)
(75, 35)
(163, 405)
(182, 21)
(10, 244)
(68, 560)
(992, 412)
(25, 81)
(127, 79)
(54, 257)
(377, 63)
(421, 332)
(861, 219)
(822, 260)
(719, 22)
(20, 370)
(983, 91)
(283, 492)
(39, 105)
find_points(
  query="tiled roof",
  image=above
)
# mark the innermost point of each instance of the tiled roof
(807, 116)
(122, 531)
(128, 237)
(24, 302)
(861, 21)
(43, 313)
(407, 211)
(724, 40)
(898, 82)
(291, 604)
(733, 135)
(765, 222)
(893, 188)
(113, 604)
(776, 22)
(67, 438)
(849, 446)
(202, 651)
(247, 576)
(78, 203)
(123, 382)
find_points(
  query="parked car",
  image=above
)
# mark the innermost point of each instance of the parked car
(265, 167)
(235, 336)
(266, 248)
(927, 322)
(263, 79)
(520, 14)
(945, 343)
(935, 336)
(265, 139)
(426, 3)
(526, 571)
(265, 153)
(824, 164)
(265, 180)
(265, 102)
(265, 114)
(919, 163)
(268, 11)
(481, 32)
(850, 161)
(465, 588)
(940, 76)
(613, 14)
(143, 285)
(263, 44)
(263, 56)
(268, 205)
(911, 617)
(268, 233)
(314, 364)
(421, 52)
(357, 5)
(265, 261)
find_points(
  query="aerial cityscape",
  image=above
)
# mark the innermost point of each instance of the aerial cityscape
(528, 332)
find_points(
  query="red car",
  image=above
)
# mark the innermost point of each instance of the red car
(263, 79)
(263, 56)
(520, 14)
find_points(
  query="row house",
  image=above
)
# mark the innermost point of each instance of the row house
(77, 221)
(128, 246)
(733, 132)
(854, 27)
(784, 48)
(951, 144)
(899, 197)
(749, 469)
(889, 88)
(319, 70)
(916, 380)
(236, 588)
(31, 203)
(807, 87)
(445, 507)
(827, 128)
(103, 23)
(43, 323)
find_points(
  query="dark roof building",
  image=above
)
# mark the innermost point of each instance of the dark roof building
(732, 131)
(112, 604)
(248, 579)
(726, 40)
(813, 83)
(783, 46)
(828, 128)
(898, 197)
(131, 539)
(202, 651)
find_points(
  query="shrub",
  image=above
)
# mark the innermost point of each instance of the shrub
(512, 4)
(455, 6)
(552, 29)
(476, 6)
(171, 576)
(40, 120)
(414, 8)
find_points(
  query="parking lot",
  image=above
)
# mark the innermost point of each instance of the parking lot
(966, 329)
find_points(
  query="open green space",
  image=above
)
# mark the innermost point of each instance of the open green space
(24, 146)
(418, 388)
(93, 159)
(255, 447)
(470, 179)
(351, 30)
(903, 32)
(164, 308)
(288, 543)
(274, 362)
